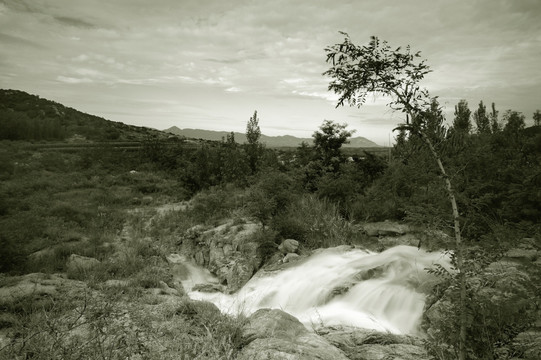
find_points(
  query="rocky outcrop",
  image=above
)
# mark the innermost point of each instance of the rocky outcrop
(274, 334)
(363, 344)
(227, 251)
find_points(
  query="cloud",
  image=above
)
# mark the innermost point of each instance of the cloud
(267, 55)
(70, 21)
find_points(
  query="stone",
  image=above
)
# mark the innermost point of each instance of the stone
(289, 246)
(290, 257)
(81, 263)
(274, 334)
(386, 228)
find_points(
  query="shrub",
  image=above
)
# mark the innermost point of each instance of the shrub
(315, 223)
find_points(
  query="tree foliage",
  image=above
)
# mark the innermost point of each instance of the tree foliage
(328, 141)
(253, 147)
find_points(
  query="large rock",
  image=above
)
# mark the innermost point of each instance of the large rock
(363, 344)
(274, 334)
(289, 246)
(227, 251)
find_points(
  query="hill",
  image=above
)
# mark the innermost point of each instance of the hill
(270, 141)
(28, 117)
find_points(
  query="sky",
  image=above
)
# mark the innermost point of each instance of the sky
(209, 64)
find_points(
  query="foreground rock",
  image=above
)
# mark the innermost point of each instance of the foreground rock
(363, 344)
(274, 334)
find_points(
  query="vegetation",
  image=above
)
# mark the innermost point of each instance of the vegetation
(69, 185)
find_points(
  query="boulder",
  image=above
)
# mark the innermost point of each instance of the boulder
(274, 334)
(81, 263)
(363, 344)
(289, 246)
(227, 251)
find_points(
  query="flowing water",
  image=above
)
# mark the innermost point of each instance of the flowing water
(341, 287)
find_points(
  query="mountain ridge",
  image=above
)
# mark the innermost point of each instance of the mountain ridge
(270, 141)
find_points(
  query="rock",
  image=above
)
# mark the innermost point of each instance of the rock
(290, 257)
(80, 263)
(521, 255)
(227, 251)
(208, 288)
(289, 246)
(407, 239)
(239, 273)
(175, 259)
(274, 334)
(36, 286)
(363, 344)
(167, 290)
(386, 228)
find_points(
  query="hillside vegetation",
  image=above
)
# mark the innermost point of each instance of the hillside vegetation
(102, 202)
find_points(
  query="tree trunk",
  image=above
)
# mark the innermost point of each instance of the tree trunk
(459, 250)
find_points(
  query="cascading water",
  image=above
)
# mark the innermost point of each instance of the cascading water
(341, 287)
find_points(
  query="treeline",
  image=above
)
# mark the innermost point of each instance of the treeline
(494, 165)
(19, 126)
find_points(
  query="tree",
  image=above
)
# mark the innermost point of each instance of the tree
(254, 147)
(462, 122)
(514, 121)
(433, 122)
(494, 124)
(357, 71)
(329, 140)
(482, 122)
(537, 118)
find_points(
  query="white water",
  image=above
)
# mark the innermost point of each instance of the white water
(386, 300)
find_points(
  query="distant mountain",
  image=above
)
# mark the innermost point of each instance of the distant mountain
(270, 141)
(28, 117)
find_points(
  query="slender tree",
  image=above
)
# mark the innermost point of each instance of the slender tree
(462, 121)
(357, 71)
(494, 123)
(254, 147)
(482, 122)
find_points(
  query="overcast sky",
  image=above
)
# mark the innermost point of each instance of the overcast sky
(210, 64)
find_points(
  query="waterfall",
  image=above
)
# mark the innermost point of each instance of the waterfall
(339, 286)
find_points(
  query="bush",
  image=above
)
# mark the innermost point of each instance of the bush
(315, 223)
